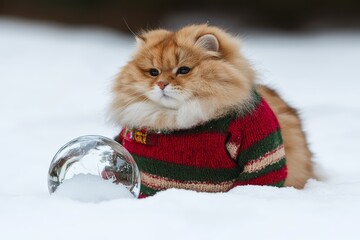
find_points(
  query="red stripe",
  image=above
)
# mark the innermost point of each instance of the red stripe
(268, 179)
(142, 195)
(254, 127)
(196, 150)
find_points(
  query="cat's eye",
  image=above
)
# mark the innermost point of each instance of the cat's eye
(154, 72)
(183, 70)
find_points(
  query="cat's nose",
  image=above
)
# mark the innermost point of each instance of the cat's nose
(162, 85)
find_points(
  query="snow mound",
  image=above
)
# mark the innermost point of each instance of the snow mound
(91, 188)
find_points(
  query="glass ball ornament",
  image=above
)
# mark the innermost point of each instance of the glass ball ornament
(94, 155)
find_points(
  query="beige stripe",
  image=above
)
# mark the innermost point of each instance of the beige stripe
(232, 148)
(161, 183)
(263, 161)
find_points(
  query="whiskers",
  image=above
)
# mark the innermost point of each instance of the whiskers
(132, 99)
(120, 106)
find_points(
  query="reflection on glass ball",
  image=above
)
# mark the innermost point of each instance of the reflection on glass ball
(94, 155)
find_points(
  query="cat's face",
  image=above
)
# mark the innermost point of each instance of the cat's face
(168, 71)
(172, 69)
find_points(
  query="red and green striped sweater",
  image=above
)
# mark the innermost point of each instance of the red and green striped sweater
(213, 157)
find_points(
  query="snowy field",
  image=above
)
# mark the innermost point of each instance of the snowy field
(55, 85)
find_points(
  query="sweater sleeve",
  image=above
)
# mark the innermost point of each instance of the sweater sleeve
(258, 148)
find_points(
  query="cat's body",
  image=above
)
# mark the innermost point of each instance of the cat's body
(181, 80)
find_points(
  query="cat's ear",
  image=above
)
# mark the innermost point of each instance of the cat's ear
(208, 42)
(140, 40)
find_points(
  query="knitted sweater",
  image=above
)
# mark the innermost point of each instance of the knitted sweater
(213, 157)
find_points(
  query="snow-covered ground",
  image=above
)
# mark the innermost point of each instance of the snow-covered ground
(54, 86)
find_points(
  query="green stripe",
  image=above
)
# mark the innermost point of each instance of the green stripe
(271, 142)
(147, 190)
(278, 184)
(217, 125)
(271, 168)
(185, 173)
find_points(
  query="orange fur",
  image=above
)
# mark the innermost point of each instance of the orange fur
(298, 155)
(220, 80)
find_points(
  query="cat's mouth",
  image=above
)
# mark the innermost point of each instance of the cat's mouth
(168, 101)
(165, 96)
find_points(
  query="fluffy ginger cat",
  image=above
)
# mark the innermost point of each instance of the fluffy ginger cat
(194, 118)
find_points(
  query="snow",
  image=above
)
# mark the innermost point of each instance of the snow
(55, 84)
(91, 188)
